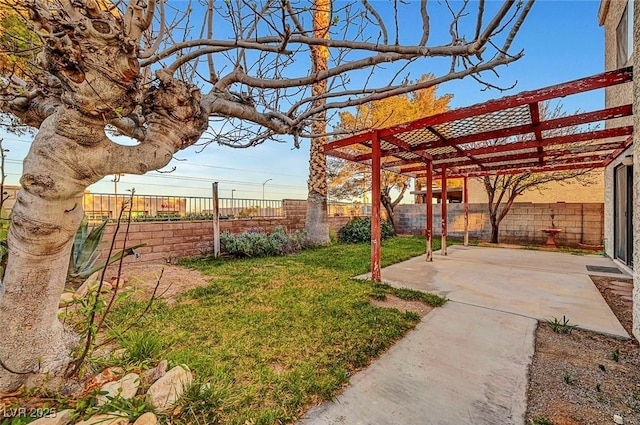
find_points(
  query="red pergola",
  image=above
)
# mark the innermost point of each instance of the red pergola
(504, 136)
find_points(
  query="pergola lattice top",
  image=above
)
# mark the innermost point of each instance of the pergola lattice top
(503, 136)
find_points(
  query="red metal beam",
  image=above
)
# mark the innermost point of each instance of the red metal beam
(465, 184)
(558, 140)
(428, 199)
(375, 209)
(621, 149)
(340, 154)
(545, 169)
(348, 141)
(568, 121)
(605, 79)
(524, 166)
(443, 198)
(534, 110)
(549, 155)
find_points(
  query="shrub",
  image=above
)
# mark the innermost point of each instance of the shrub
(359, 230)
(260, 244)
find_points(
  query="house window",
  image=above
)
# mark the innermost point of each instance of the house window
(624, 35)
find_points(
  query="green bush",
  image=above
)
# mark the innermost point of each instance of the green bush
(260, 244)
(359, 230)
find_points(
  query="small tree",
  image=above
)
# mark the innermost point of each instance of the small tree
(348, 179)
(502, 190)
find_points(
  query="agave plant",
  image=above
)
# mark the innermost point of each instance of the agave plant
(86, 253)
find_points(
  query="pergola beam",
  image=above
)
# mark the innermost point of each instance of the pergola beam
(599, 81)
(554, 124)
(545, 169)
(530, 144)
(534, 110)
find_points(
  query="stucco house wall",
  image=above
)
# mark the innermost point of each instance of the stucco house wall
(609, 16)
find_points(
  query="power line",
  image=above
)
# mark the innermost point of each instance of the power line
(199, 164)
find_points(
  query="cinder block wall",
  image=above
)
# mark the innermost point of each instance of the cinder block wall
(166, 241)
(580, 223)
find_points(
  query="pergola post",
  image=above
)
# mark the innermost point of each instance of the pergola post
(443, 199)
(375, 208)
(465, 195)
(428, 201)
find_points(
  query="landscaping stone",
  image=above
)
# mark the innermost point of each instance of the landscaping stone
(66, 299)
(147, 419)
(92, 285)
(61, 418)
(167, 390)
(150, 376)
(114, 418)
(107, 375)
(117, 283)
(127, 387)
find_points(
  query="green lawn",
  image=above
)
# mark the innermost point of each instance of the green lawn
(274, 335)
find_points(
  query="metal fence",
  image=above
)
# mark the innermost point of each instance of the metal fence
(103, 206)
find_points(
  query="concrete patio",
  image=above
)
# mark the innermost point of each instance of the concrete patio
(467, 362)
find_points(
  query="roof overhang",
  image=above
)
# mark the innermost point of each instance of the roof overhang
(510, 135)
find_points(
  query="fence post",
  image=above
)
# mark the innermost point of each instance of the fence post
(216, 222)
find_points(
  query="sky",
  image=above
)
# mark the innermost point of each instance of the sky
(561, 40)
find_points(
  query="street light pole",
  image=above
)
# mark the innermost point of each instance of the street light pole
(268, 180)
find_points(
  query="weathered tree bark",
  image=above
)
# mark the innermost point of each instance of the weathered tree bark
(71, 151)
(317, 220)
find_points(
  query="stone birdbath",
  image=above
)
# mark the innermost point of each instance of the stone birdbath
(551, 237)
(551, 233)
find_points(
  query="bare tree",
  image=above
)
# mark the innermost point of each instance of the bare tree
(502, 190)
(235, 73)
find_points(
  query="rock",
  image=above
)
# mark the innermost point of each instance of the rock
(150, 376)
(113, 418)
(117, 283)
(167, 390)
(92, 285)
(66, 299)
(59, 418)
(618, 419)
(146, 419)
(107, 375)
(127, 387)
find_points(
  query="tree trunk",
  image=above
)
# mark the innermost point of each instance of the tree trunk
(317, 221)
(495, 228)
(69, 153)
(46, 215)
(386, 203)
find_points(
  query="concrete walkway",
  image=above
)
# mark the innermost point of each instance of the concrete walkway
(467, 362)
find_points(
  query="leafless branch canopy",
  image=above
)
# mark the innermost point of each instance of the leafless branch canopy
(251, 60)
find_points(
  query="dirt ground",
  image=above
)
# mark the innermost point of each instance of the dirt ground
(403, 305)
(173, 280)
(575, 379)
